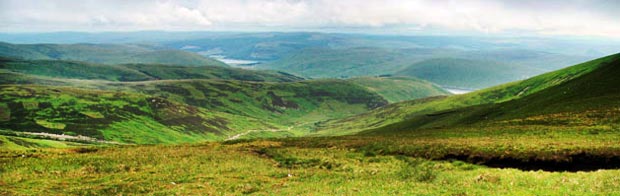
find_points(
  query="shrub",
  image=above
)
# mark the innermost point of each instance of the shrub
(417, 169)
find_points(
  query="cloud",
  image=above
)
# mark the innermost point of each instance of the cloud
(550, 17)
(99, 15)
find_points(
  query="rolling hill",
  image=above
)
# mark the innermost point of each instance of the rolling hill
(348, 62)
(113, 116)
(589, 99)
(465, 73)
(281, 102)
(135, 72)
(456, 68)
(401, 113)
(396, 89)
(310, 100)
(177, 111)
(105, 54)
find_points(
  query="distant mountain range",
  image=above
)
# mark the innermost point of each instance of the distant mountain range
(446, 67)
(106, 54)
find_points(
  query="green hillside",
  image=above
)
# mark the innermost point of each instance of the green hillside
(283, 103)
(105, 54)
(113, 116)
(135, 72)
(591, 99)
(72, 69)
(278, 105)
(233, 106)
(398, 112)
(457, 72)
(396, 89)
(561, 121)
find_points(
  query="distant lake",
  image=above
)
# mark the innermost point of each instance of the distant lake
(457, 91)
(241, 63)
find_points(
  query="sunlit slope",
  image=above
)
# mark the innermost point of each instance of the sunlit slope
(113, 116)
(411, 109)
(278, 106)
(592, 99)
(282, 102)
(67, 109)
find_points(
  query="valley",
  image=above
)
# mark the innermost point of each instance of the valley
(329, 114)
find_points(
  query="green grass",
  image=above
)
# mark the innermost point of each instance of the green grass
(144, 130)
(287, 167)
(20, 143)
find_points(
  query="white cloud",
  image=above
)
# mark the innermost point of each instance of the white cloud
(552, 17)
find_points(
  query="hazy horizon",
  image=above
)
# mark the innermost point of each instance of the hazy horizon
(565, 19)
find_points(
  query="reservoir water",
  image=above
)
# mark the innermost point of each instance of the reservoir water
(457, 91)
(240, 63)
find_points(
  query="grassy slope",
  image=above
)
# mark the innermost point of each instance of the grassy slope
(266, 100)
(114, 116)
(281, 168)
(231, 104)
(105, 53)
(286, 103)
(290, 103)
(406, 110)
(12, 143)
(588, 100)
(466, 73)
(135, 72)
(281, 106)
(570, 122)
(396, 89)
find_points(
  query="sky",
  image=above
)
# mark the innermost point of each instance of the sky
(588, 18)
